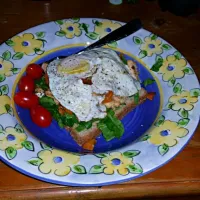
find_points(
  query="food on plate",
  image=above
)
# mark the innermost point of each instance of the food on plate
(86, 94)
(151, 95)
(26, 99)
(26, 84)
(41, 116)
(34, 71)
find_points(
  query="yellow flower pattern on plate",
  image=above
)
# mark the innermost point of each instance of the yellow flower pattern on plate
(57, 162)
(5, 67)
(183, 101)
(27, 44)
(151, 46)
(105, 27)
(52, 163)
(5, 100)
(71, 29)
(167, 133)
(172, 67)
(11, 138)
(116, 161)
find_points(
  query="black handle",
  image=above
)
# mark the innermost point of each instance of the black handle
(122, 32)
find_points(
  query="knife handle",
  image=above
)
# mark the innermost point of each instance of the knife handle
(122, 32)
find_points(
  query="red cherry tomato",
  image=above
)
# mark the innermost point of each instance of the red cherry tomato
(34, 71)
(26, 84)
(26, 99)
(41, 116)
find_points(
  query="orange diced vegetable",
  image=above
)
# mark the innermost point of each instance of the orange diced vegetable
(108, 97)
(151, 95)
(89, 145)
(63, 110)
(68, 111)
(87, 81)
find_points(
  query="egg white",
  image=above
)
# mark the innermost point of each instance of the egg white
(108, 73)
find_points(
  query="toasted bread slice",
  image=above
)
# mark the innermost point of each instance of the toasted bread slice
(128, 105)
(86, 135)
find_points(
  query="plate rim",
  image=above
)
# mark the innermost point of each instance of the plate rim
(21, 170)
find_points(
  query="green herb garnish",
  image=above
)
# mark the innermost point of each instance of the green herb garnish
(63, 120)
(148, 82)
(123, 58)
(69, 119)
(136, 98)
(80, 128)
(110, 126)
(40, 83)
(47, 102)
(84, 125)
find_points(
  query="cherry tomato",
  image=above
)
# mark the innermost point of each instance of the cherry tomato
(41, 116)
(34, 71)
(26, 99)
(26, 84)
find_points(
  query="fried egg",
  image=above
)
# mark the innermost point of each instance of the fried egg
(106, 71)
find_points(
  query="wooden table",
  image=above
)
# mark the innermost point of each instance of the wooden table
(181, 177)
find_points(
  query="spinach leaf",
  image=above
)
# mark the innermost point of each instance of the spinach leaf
(148, 82)
(69, 119)
(41, 83)
(107, 133)
(123, 59)
(84, 125)
(136, 98)
(63, 120)
(50, 105)
(66, 119)
(60, 123)
(117, 125)
(80, 128)
(110, 126)
(47, 102)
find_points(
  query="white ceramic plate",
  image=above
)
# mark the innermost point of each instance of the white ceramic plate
(175, 125)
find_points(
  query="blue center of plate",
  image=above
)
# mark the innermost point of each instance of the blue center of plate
(136, 123)
(1, 66)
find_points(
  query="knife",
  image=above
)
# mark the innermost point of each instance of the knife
(122, 32)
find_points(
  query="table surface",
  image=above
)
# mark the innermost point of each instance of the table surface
(181, 177)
